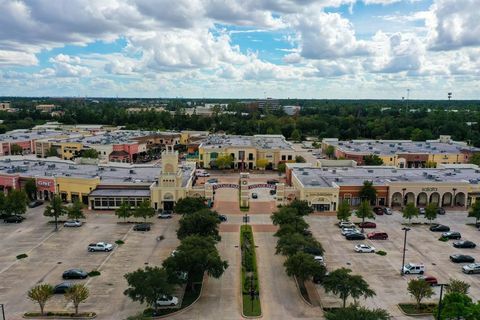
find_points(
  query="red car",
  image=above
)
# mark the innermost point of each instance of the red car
(367, 224)
(430, 279)
(377, 236)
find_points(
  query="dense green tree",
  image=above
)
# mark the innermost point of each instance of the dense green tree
(287, 215)
(300, 159)
(368, 192)
(302, 207)
(340, 282)
(124, 211)
(292, 243)
(364, 211)
(474, 211)
(457, 286)
(55, 209)
(196, 255)
(52, 152)
(475, 158)
(303, 266)
(344, 213)
(40, 294)
(355, 312)
(31, 189)
(15, 149)
(75, 211)
(420, 289)
(372, 160)
(203, 223)
(148, 285)
(16, 202)
(224, 161)
(456, 306)
(296, 135)
(285, 229)
(281, 167)
(89, 153)
(189, 205)
(431, 212)
(330, 151)
(410, 211)
(144, 210)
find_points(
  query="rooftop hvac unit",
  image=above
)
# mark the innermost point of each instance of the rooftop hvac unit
(132, 171)
(438, 179)
(338, 179)
(425, 173)
(370, 171)
(315, 183)
(394, 170)
(305, 173)
(113, 169)
(72, 167)
(391, 145)
(334, 171)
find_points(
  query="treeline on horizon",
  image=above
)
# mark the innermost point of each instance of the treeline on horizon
(344, 119)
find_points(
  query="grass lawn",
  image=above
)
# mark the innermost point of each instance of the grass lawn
(411, 308)
(249, 266)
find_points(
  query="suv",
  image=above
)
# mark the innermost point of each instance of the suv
(451, 235)
(432, 281)
(346, 224)
(413, 268)
(13, 219)
(377, 236)
(165, 214)
(387, 211)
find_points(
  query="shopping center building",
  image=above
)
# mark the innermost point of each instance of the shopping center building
(404, 153)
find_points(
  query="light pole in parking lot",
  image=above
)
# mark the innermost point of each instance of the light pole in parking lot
(439, 315)
(404, 248)
(53, 213)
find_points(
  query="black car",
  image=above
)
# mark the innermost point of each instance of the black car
(74, 274)
(464, 244)
(451, 235)
(460, 258)
(441, 211)
(222, 217)
(62, 287)
(273, 181)
(35, 203)
(439, 228)
(141, 227)
(355, 236)
(13, 219)
(313, 251)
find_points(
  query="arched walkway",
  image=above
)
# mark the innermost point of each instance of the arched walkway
(409, 198)
(435, 198)
(447, 199)
(396, 199)
(422, 199)
(460, 199)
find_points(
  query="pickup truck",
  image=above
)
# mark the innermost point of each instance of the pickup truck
(100, 246)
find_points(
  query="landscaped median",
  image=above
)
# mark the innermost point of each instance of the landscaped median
(60, 315)
(250, 285)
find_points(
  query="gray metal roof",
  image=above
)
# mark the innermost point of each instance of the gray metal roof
(120, 193)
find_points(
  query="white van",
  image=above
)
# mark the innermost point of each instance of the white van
(202, 173)
(413, 268)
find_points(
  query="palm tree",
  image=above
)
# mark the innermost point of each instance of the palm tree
(41, 294)
(77, 294)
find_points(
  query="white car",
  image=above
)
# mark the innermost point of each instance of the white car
(349, 230)
(167, 301)
(100, 246)
(388, 211)
(413, 268)
(364, 248)
(471, 268)
(319, 259)
(72, 224)
(346, 224)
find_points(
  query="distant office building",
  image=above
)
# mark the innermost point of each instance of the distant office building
(6, 107)
(45, 107)
(268, 104)
(291, 110)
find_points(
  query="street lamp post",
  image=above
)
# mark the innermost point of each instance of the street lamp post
(439, 315)
(53, 213)
(403, 197)
(404, 247)
(453, 199)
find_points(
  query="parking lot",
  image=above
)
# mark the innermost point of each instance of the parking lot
(383, 272)
(50, 253)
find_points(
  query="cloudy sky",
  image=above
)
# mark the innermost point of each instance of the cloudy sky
(241, 48)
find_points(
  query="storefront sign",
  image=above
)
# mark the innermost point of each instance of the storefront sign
(261, 185)
(430, 189)
(46, 184)
(225, 185)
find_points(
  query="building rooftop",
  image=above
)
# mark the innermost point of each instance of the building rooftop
(118, 137)
(257, 141)
(27, 135)
(392, 147)
(355, 176)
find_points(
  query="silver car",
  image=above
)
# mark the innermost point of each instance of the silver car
(72, 224)
(471, 268)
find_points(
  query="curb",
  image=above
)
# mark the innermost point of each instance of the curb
(241, 285)
(58, 317)
(300, 293)
(413, 314)
(204, 282)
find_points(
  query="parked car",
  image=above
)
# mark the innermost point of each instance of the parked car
(62, 287)
(413, 268)
(346, 224)
(100, 246)
(313, 251)
(35, 203)
(165, 214)
(346, 231)
(367, 225)
(429, 279)
(254, 196)
(319, 259)
(72, 224)
(13, 219)
(464, 244)
(439, 228)
(378, 211)
(364, 248)
(202, 173)
(167, 301)
(222, 217)
(355, 236)
(74, 274)
(387, 211)
(213, 180)
(471, 268)
(441, 211)
(141, 227)
(452, 235)
(421, 211)
(273, 181)
(461, 258)
(377, 236)
(273, 192)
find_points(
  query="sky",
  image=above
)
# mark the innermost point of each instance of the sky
(322, 49)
